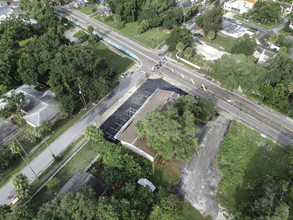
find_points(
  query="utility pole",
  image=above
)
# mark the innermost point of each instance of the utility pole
(48, 147)
(20, 145)
(82, 97)
(157, 36)
(29, 165)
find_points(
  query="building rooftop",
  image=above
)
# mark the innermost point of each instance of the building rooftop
(158, 100)
(83, 178)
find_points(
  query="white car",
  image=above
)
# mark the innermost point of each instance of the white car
(124, 75)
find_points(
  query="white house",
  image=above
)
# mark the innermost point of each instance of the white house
(239, 6)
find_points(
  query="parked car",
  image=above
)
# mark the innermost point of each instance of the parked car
(124, 75)
(198, 35)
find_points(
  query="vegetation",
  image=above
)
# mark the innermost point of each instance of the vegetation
(256, 184)
(212, 20)
(173, 129)
(269, 81)
(20, 183)
(14, 103)
(94, 134)
(179, 35)
(151, 37)
(53, 184)
(82, 36)
(245, 46)
(224, 42)
(266, 12)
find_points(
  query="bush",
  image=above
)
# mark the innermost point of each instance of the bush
(53, 184)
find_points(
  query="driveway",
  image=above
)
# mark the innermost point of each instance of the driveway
(7, 128)
(199, 177)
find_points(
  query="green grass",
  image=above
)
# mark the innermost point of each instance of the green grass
(225, 42)
(88, 10)
(82, 36)
(261, 25)
(165, 175)
(116, 62)
(79, 162)
(148, 38)
(62, 126)
(190, 213)
(245, 156)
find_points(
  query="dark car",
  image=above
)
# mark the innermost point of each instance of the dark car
(197, 35)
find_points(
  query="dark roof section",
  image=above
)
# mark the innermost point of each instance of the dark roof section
(84, 178)
(184, 4)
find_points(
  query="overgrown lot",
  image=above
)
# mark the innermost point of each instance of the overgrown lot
(256, 182)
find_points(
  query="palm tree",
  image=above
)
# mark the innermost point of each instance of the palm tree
(180, 46)
(290, 89)
(188, 52)
(211, 35)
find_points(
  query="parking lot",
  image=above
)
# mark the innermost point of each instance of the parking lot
(115, 122)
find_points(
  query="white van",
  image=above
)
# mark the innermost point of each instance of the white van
(124, 75)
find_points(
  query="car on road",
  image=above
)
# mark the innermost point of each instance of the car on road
(198, 35)
(124, 75)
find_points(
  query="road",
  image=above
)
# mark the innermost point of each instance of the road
(268, 122)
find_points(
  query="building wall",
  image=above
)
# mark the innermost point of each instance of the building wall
(138, 151)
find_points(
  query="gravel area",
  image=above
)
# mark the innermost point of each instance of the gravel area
(199, 177)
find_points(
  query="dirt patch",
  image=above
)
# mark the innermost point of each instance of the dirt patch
(199, 177)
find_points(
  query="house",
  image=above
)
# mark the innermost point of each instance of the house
(5, 10)
(127, 135)
(104, 10)
(39, 106)
(286, 8)
(262, 54)
(83, 178)
(234, 30)
(239, 6)
(184, 4)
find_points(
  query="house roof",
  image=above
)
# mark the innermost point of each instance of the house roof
(83, 178)
(285, 5)
(39, 106)
(251, 1)
(184, 4)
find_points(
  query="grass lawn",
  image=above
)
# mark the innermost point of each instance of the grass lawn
(245, 156)
(265, 26)
(61, 127)
(165, 175)
(82, 36)
(79, 162)
(88, 10)
(225, 42)
(148, 38)
(116, 62)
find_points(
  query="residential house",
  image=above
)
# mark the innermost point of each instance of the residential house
(39, 106)
(184, 4)
(239, 6)
(262, 54)
(83, 178)
(291, 25)
(286, 8)
(104, 10)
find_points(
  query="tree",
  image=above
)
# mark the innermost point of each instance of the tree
(44, 129)
(290, 88)
(177, 35)
(14, 103)
(186, 13)
(14, 148)
(211, 35)
(4, 212)
(139, 29)
(273, 38)
(145, 25)
(117, 18)
(188, 52)
(172, 17)
(54, 183)
(20, 183)
(212, 20)
(172, 129)
(90, 29)
(179, 46)
(245, 46)
(266, 12)
(93, 133)
(238, 70)
(199, 20)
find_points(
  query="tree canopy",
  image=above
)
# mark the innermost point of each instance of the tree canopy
(267, 12)
(174, 129)
(177, 35)
(212, 20)
(245, 46)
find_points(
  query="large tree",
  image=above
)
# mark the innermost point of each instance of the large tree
(245, 46)
(266, 12)
(212, 20)
(93, 133)
(177, 35)
(77, 69)
(20, 183)
(173, 130)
